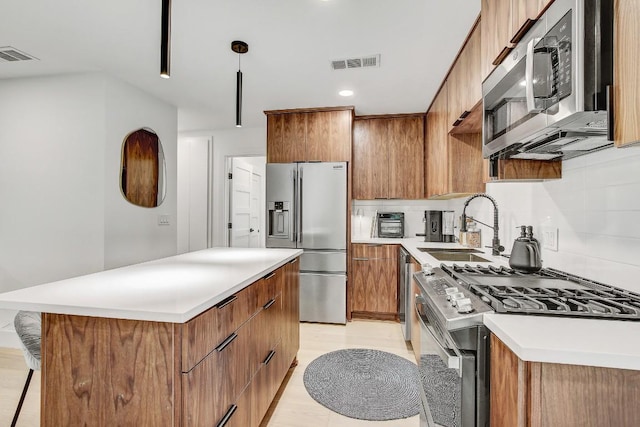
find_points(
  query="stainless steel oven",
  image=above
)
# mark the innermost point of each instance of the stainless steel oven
(454, 356)
(548, 99)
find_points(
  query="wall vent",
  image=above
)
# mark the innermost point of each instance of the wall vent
(11, 54)
(362, 62)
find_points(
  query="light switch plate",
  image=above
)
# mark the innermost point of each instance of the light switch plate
(550, 238)
(164, 220)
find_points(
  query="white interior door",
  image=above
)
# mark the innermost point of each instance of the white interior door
(255, 230)
(241, 201)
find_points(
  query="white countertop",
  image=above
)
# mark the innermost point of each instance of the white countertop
(173, 289)
(590, 342)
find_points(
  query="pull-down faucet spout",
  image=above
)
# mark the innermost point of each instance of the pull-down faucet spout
(495, 243)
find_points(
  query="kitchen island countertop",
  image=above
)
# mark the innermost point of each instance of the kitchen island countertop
(547, 339)
(173, 289)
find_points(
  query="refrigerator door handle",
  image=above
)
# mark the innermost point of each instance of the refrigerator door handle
(293, 222)
(299, 206)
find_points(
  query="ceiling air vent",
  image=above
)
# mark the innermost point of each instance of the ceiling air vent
(11, 54)
(362, 62)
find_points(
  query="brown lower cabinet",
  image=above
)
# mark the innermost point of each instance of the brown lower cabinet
(551, 394)
(375, 281)
(223, 367)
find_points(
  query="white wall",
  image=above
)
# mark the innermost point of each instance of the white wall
(595, 206)
(132, 233)
(62, 214)
(226, 143)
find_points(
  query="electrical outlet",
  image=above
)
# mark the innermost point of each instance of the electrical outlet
(550, 238)
(164, 220)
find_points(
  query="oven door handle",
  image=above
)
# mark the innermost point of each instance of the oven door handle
(451, 360)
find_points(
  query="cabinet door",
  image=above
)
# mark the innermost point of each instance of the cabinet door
(626, 63)
(496, 32)
(466, 166)
(370, 159)
(406, 158)
(286, 137)
(329, 136)
(291, 311)
(375, 278)
(437, 157)
(465, 81)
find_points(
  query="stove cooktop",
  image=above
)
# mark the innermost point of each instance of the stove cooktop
(548, 292)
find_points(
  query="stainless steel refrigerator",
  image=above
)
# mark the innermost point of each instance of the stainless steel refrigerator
(307, 209)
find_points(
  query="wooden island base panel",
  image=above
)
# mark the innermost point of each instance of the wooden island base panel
(550, 394)
(222, 367)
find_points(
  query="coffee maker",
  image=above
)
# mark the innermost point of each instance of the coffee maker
(439, 226)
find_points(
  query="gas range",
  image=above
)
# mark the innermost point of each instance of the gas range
(548, 292)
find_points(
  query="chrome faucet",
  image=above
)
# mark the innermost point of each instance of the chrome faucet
(495, 243)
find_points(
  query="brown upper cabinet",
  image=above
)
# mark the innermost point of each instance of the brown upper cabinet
(505, 22)
(388, 153)
(321, 134)
(465, 83)
(454, 163)
(626, 84)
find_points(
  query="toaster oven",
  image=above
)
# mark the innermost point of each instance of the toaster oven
(391, 224)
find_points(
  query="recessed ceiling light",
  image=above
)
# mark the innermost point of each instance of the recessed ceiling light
(345, 92)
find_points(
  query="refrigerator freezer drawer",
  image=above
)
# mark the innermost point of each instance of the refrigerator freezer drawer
(324, 261)
(323, 298)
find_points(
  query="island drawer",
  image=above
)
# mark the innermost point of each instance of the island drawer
(204, 332)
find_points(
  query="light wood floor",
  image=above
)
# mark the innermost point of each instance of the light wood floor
(294, 407)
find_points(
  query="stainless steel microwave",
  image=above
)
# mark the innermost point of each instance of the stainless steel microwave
(548, 99)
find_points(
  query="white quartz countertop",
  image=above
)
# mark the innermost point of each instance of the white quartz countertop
(591, 342)
(549, 339)
(173, 289)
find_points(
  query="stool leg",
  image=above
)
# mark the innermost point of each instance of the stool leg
(24, 393)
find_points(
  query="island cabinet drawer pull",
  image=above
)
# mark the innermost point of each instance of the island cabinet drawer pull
(223, 422)
(293, 261)
(360, 259)
(269, 276)
(269, 357)
(225, 302)
(269, 304)
(226, 342)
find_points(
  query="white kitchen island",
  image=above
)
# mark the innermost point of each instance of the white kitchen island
(186, 340)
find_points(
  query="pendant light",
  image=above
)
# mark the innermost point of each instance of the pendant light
(239, 47)
(165, 40)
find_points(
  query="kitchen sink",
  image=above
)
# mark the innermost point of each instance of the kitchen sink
(447, 254)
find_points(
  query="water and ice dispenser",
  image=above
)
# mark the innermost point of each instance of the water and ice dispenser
(279, 221)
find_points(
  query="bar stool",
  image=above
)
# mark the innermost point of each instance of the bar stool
(28, 325)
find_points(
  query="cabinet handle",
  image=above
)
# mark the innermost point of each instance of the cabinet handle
(269, 357)
(293, 261)
(227, 416)
(610, 113)
(526, 26)
(360, 259)
(457, 122)
(225, 302)
(226, 342)
(269, 276)
(503, 54)
(269, 304)
(464, 114)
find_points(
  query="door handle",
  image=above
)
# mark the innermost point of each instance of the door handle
(251, 230)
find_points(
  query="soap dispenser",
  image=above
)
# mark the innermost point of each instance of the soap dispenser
(525, 254)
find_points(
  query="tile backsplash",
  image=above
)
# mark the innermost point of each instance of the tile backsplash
(595, 207)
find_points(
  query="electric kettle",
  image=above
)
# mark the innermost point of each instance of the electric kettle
(525, 254)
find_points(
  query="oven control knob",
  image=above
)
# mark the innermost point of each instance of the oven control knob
(465, 308)
(455, 297)
(450, 291)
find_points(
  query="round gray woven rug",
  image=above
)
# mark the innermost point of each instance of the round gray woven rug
(365, 384)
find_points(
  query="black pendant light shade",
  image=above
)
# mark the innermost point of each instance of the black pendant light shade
(240, 48)
(165, 40)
